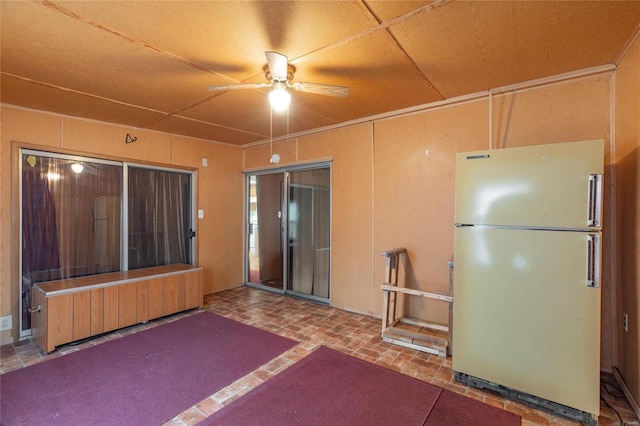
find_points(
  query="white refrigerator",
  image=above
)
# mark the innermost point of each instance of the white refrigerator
(526, 313)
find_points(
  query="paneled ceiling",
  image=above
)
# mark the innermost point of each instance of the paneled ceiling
(148, 64)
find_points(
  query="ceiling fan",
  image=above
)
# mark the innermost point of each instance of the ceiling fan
(279, 72)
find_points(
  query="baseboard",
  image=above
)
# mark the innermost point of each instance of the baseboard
(627, 392)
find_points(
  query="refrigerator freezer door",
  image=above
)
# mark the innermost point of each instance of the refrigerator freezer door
(545, 186)
(524, 316)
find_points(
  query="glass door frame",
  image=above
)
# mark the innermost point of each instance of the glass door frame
(193, 246)
(284, 233)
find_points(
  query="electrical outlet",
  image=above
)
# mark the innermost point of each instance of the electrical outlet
(5, 323)
(625, 322)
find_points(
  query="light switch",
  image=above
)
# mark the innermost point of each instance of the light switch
(205, 162)
(200, 214)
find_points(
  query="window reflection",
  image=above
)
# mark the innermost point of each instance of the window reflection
(70, 221)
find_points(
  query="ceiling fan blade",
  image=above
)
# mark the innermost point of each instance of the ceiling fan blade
(277, 65)
(222, 87)
(322, 89)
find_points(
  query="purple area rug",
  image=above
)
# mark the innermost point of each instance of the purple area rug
(331, 388)
(144, 378)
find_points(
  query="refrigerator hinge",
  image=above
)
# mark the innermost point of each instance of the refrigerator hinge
(593, 260)
(595, 200)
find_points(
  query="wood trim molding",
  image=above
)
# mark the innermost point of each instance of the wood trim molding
(635, 36)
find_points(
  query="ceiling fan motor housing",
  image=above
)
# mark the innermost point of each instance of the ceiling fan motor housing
(291, 69)
(279, 74)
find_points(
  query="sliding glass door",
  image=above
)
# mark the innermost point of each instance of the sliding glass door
(309, 245)
(265, 258)
(288, 231)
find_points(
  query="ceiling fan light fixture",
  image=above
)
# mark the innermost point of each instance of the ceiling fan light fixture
(279, 98)
(279, 74)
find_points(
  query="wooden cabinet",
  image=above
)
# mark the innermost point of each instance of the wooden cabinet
(78, 308)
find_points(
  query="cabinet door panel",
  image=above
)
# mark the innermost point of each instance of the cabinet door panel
(97, 311)
(143, 301)
(127, 304)
(60, 321)
(193, 290)
(174, 293)
(81, 315)
(110, 308)
(156, 298)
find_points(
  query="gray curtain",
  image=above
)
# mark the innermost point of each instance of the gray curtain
(159, 217)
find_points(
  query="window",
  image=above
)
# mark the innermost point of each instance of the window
(77, 219)
(159, 217)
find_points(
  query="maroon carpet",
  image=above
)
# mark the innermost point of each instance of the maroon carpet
(331, 388)
(144, 378)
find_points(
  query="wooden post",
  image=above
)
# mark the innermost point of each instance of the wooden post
(392, 264)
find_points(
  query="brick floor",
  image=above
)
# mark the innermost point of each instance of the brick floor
(313, 325)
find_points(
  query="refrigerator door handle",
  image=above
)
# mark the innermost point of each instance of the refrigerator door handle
(595, 200)
(593, 260)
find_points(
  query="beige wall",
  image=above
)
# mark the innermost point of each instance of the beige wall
(627, 159)
(414, 196)
(219, 188)
(393, 185)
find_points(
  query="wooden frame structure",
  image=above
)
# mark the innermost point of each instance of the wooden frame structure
(410, 332)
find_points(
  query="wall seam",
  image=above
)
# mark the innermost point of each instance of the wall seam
(490, 119)
(373, 216)
(62, 132)
(614, 222)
